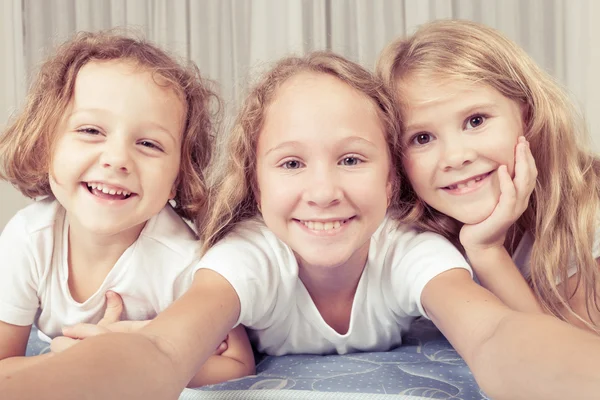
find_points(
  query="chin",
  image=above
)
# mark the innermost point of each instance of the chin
(473, 217)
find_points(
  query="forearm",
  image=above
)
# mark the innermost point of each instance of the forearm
(498, 273)
(10, 365)
(219, 369)
(538, 357)
(111, 366)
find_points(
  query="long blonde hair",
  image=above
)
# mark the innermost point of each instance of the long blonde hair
(563, 212)
(26, 145)
(232, 199)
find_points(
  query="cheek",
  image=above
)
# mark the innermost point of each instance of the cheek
(415, 170)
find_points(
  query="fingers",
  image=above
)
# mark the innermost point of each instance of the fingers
(61, 343)
(82, 331)
(114, 309)
(221, 348)
(525, 174)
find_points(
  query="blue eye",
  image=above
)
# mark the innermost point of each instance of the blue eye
(292, 164)
(350, 161)
(475, 121)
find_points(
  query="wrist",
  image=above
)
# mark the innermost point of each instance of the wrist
(486, 253)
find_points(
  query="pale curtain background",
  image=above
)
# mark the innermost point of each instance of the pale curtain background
(230, 40)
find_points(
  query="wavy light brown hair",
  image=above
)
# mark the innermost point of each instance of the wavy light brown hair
(232, 199)
(26, 145)
(563, 210)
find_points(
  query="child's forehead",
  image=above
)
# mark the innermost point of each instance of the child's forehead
(433, 88)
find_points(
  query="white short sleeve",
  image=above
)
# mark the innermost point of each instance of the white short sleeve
(416, 260)
(249, 258)
(18, 288)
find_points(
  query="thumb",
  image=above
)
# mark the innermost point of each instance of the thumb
(114, 309)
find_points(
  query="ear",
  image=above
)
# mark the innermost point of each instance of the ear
(389, 190)
(173, 192)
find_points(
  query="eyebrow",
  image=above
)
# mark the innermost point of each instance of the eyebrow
(101, 111)
(465, 111)
(296, 144)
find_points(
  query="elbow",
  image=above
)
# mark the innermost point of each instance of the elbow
(496, 372)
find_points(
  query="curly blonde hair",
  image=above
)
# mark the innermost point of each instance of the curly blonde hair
(563, 210)
(232, 199)
(26, 145)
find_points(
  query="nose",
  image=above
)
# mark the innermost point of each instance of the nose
(323, 188)
(456, 154)
(115, 155)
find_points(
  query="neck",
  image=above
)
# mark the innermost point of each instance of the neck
(338, 282)
(91, 251)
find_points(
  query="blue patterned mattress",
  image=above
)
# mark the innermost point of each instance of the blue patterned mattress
(424, 367)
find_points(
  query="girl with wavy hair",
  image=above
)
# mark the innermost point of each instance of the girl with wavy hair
(304, 247)
(468, 96)
(113, 143)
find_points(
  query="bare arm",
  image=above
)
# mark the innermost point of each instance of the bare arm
(512, 355)
(235, 362)
(13, 343)
(156, 363)
(498, 273)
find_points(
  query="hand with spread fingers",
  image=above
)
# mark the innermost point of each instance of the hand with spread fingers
(513, 201)
(110, 322)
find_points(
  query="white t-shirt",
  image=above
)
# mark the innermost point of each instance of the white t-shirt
(280, 313)
(149, 275)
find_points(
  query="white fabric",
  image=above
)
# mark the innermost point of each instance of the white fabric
(280, 313)
(522, 254)
(149, 276)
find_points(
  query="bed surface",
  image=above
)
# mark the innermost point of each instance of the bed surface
(424, 367)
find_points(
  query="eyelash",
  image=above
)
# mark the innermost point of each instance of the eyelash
(285, 164)
(88, 131)
(483, 116)
(150, 145)
(467, 121)
(354, 157)
(145, 143)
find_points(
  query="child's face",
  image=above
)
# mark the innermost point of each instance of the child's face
(118, 149)
(457, 136)
(323, 170)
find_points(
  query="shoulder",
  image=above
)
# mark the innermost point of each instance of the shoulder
(38, 216)
(401, 239)
(250, 242)
(168, 232)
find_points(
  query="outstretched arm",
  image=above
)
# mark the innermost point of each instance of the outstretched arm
(156, 363)
(512, 355)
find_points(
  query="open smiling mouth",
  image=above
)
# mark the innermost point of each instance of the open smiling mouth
(328, 226)
(466, 185)
(107, 192)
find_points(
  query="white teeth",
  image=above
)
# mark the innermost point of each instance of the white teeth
(323, 226)
(469, 183)
(107, 190)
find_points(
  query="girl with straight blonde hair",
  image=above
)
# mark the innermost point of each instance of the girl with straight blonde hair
(468, 96)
